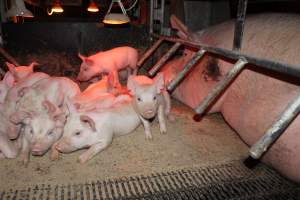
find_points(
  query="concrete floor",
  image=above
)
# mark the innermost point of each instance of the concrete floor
(187, 144)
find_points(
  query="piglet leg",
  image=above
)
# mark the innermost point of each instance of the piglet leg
(161, 120)
(93, 150)
(116, 83)
(54, 153)
(24, 155)
(147, 128)
(8, 148)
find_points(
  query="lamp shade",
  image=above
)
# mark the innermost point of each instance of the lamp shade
(56, 8)
(18, 9)
(116, 18)
(93, 7)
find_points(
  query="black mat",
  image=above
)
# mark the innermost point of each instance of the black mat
(228, 181)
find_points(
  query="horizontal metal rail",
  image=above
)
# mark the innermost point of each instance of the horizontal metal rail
(284, 68)
(149, 52)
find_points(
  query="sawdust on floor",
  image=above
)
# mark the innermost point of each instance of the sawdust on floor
(187, 144)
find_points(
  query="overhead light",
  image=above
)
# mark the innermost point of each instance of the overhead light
(93, 7)
(56, 8)
(116, 18)
(18, 9)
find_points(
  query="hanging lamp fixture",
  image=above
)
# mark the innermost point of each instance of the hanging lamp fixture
(56, 8)
(18, 9)
(116, 18)
(93, 7)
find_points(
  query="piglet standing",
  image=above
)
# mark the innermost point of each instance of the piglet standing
(150, 98)
(110, 61)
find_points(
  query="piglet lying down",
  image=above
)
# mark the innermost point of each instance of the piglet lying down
(96, 129)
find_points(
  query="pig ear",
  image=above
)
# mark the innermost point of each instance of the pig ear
(9, 79)
(159, 82)
(89, 121)
(31, 66)
(11, 67)
(50, 107)
(20, 116)
(131, 85)
(82, 57)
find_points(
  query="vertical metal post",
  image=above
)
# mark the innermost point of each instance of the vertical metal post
(219, 88)
(149, 52)
(239, 25)
(162, 16)
(173, 84)
(151, 16)
(276, 130)
(164, 59)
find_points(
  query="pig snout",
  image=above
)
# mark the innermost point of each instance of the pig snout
(148, 113)
(37, 150)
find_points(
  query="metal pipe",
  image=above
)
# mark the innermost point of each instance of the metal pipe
(284, 68)
(277, 128)
(239, 25)
(219, 88)
(164, 59)
(149, 52)
(8, 57)
(151, 16)
(173, 84)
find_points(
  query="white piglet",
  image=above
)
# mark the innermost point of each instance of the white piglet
(110, 61)
(95, 130)
(150, 98)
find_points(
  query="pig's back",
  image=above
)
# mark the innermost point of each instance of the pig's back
(125, 120)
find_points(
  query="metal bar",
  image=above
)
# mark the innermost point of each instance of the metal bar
(8, 57)
(239, 25)
(164, 59)
(173, 84)
(151, 16)
(284, 68)
(277, 128)
(219, 88)
(149, 52)
(162, 15)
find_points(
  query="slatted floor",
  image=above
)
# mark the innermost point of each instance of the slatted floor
(227, 181)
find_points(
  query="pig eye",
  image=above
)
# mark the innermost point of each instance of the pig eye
(50, 133)
(31, 131)
(77, 133)
(154, 98)
(139, 99)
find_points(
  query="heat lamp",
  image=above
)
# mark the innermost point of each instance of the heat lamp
(116, 18)
(56, 8)
(18, 9)
(93, 7)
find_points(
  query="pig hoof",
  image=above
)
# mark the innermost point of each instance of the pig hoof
(163, 131)
(54, 156)
(171, 118)
(82, 159)
(2, 156)
(149, 137)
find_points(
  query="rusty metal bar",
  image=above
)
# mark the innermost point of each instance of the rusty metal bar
(219, 88)
(173, 84)
(284, 68)
(149, 52)
(8, 57)
(239, 25)
(164, 59)
(276, 130)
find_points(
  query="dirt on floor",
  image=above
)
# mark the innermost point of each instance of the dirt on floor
(187, 144)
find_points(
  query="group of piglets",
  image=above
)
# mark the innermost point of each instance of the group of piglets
(39, 112)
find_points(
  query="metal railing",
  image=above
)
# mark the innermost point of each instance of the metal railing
(284, 119)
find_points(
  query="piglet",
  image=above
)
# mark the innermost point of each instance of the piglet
(110, 61)
(14, 75)
(150, 98)
(95, 130)
(20, 72)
